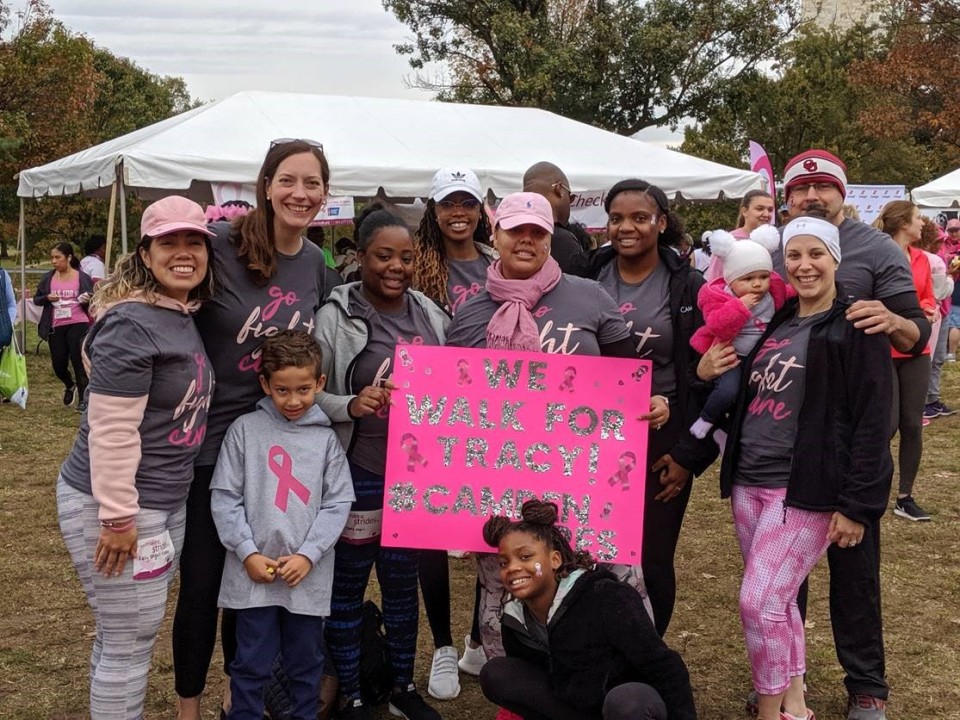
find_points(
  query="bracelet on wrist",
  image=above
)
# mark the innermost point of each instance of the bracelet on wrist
(118, 526)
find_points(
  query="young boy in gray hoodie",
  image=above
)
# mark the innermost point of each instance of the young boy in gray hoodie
(280, 496)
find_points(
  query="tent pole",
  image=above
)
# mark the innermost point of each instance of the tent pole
(110, 224)
(22, 244)
(123, 207)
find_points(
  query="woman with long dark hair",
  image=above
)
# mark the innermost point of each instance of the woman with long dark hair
(271, 278)
(64, 294)
(453, 240)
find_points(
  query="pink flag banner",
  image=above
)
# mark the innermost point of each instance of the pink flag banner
(760, 163)
(475, 433)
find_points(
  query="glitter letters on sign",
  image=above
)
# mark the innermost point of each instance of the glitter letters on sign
(475, 433)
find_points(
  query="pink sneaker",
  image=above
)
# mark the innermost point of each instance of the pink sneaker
(503, 714)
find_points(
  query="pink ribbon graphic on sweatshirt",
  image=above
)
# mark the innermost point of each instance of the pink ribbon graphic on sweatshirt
(286, 482)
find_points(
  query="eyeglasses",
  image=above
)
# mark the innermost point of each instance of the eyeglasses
(468, 205)
(562, 187)
(284, 141)
(817, 187)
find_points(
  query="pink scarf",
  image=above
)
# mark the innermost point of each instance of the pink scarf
(512, 327)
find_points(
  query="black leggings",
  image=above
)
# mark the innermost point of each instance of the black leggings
(435, 587)
(201, 568)
(662, 522)
(66, 342)
(911, 377)
(523, 688)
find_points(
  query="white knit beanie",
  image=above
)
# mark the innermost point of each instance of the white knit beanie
(740, 257)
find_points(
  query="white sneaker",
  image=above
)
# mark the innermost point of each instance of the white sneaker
(473, 659)
(444, 677)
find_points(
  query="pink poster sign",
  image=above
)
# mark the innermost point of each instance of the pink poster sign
(475, 433)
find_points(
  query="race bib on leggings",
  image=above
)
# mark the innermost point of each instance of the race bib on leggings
(154, 556)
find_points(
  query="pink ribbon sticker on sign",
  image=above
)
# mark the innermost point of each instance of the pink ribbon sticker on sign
(475, 433)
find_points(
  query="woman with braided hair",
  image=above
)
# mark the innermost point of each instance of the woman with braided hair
(579, 642)
(453, 253)
(453, 240)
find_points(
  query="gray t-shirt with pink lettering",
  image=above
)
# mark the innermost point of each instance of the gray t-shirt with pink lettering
(138, 349)
(646, 309)
(574, 318)
(241, 315)
(409, 326)
(465, 278)
(775, 395)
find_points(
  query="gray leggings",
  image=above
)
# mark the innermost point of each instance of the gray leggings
(128, 612)
(911, 376)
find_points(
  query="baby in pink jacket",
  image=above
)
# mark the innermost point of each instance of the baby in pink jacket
(736, 308)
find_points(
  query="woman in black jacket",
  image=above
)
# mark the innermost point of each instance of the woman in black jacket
(579, 642)
(808, 459)
(656, 293)
(64, 294)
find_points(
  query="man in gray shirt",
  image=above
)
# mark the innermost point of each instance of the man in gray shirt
(875, 275)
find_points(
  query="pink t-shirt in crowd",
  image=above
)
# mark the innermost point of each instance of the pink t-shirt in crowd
(67, 310)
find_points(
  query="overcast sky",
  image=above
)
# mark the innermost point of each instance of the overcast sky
(335, 47)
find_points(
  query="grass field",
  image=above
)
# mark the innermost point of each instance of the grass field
(48, 628)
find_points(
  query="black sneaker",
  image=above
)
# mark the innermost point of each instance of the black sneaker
(409, 705)
(69, 394)
(944, 411)
(907, 507)
(354, 710)
(82, 406)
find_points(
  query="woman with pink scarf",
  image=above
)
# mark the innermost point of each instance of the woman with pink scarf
(529, 304)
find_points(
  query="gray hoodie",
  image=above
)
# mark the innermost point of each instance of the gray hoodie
(281, 487)
(342, 338)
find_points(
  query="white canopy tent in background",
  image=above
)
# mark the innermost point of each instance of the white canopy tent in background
(375, 146)
(942, 193)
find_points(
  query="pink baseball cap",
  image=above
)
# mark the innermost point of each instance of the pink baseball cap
(953, 224)
(524, 208)
(173, 214)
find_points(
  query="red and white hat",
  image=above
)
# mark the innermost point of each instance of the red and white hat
(815, 166)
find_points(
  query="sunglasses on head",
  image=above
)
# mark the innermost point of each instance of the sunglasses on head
(284, 141)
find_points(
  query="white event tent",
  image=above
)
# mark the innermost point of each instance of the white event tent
(374, 145)
(944, 192)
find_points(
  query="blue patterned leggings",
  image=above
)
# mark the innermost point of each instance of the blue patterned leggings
(397, 575)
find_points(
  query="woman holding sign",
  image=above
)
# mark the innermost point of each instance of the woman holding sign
(122, 491)
(656, 293)
(819, 389)
(527, 303)
(359, 330)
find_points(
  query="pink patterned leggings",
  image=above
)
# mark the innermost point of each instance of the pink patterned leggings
(780, 546)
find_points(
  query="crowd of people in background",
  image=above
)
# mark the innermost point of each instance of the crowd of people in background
(235, 390)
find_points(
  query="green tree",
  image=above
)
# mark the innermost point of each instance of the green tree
(620, 64)
(60, 93)
(808, 99)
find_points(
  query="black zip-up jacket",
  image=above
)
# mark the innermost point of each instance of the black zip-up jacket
(684, 285)
(600, 637)
(841, 454)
